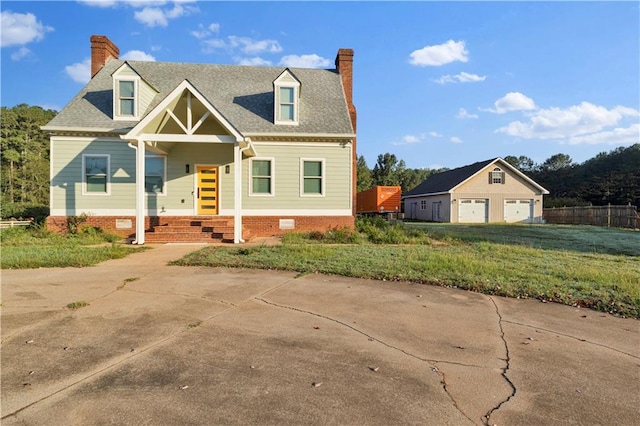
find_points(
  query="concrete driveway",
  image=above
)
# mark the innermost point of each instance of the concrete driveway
(162, 344)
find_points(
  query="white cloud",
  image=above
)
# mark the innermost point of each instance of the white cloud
(583, 123)
(435, 135)
(255, 61)
(440, 54)
(462, 113)
(151, 17)
(98, 3)
(203, 32)
(410, 139)
(80, 72)
(512, 101)
(21, 28)
(137, 55)
(463, 77)
(455, 139)
(617, 136)
(246, 45)
(21, 53)
(304, 61)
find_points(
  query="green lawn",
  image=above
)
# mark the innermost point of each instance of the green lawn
(26, 248)
(597, 268)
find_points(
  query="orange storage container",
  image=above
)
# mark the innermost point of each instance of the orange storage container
(379, 199)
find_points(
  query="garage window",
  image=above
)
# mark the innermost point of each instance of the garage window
(423, 204)
(496, 176)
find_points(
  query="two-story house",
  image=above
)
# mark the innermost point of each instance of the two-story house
(159, 151)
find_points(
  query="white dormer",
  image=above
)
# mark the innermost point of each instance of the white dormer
(131, 94)
(286, 99)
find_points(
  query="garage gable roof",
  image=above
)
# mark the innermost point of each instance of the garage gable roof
(446, 182)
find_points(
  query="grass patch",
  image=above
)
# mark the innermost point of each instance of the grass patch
(578, 277)
(35, 247)
(77, 305)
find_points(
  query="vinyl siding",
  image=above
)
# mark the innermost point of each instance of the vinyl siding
(513, 188)
(286, 181)
(66, 179)
(427, 214)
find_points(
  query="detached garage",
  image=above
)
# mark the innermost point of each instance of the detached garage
(483, 192)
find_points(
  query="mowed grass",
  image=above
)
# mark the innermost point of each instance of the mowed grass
(24, 248)
(519, 264)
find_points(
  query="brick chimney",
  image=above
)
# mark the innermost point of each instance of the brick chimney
(344, 65)
(102, 49)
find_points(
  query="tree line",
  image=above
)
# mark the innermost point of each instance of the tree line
(608, 178)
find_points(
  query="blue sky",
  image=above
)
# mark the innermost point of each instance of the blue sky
(438, 84)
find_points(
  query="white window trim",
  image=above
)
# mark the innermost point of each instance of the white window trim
(272, 193)
(323, 178)
(84, 175)
(497, 174)
(136, 99)
(164, 178)
(296, 104)
(423, 204)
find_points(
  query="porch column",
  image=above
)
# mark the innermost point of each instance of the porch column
(140, 193)
(237, 191)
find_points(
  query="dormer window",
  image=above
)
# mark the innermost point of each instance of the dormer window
(126, 100)
(286, 102)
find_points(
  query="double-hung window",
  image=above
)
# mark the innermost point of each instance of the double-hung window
(287, 95)
(125, 105)
(95, 174)
(261, 176)
(312, 177)
(155, 174)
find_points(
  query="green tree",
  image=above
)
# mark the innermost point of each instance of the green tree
(522, 163)
(388, 170)
(25, 155)
(365, 181)
(556, 162)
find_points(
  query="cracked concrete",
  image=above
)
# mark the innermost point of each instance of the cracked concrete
(162, 344)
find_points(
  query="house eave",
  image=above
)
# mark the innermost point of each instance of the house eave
(427, 194)
(74, 130)
(296, 137)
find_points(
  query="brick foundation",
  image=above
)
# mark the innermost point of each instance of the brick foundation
(253, 226)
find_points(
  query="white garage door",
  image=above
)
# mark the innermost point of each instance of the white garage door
(473, 210)
(518, 211)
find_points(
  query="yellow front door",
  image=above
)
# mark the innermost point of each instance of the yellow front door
(207, 189)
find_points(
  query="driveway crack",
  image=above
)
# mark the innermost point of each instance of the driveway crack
(432, 363)
(507, 361)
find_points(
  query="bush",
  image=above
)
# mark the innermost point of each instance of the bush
(38, 212)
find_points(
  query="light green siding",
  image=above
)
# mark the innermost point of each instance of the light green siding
(287, 180)
(66, 178)
(67, 174)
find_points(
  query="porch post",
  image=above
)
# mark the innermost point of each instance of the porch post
(237, 202)
(140, 193)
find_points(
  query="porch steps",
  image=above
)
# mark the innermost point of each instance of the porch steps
(206, 230)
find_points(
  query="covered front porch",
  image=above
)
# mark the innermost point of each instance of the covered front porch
(199, 198)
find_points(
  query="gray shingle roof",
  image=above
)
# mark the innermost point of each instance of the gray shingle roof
(445, 181)
(242, 94)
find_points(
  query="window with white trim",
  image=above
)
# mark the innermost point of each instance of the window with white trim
(261, 179)
(497, 176)
(312, 177)
(286, 99)
(95, 174)
(423, 204)
(125, 99)
(155, 174)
